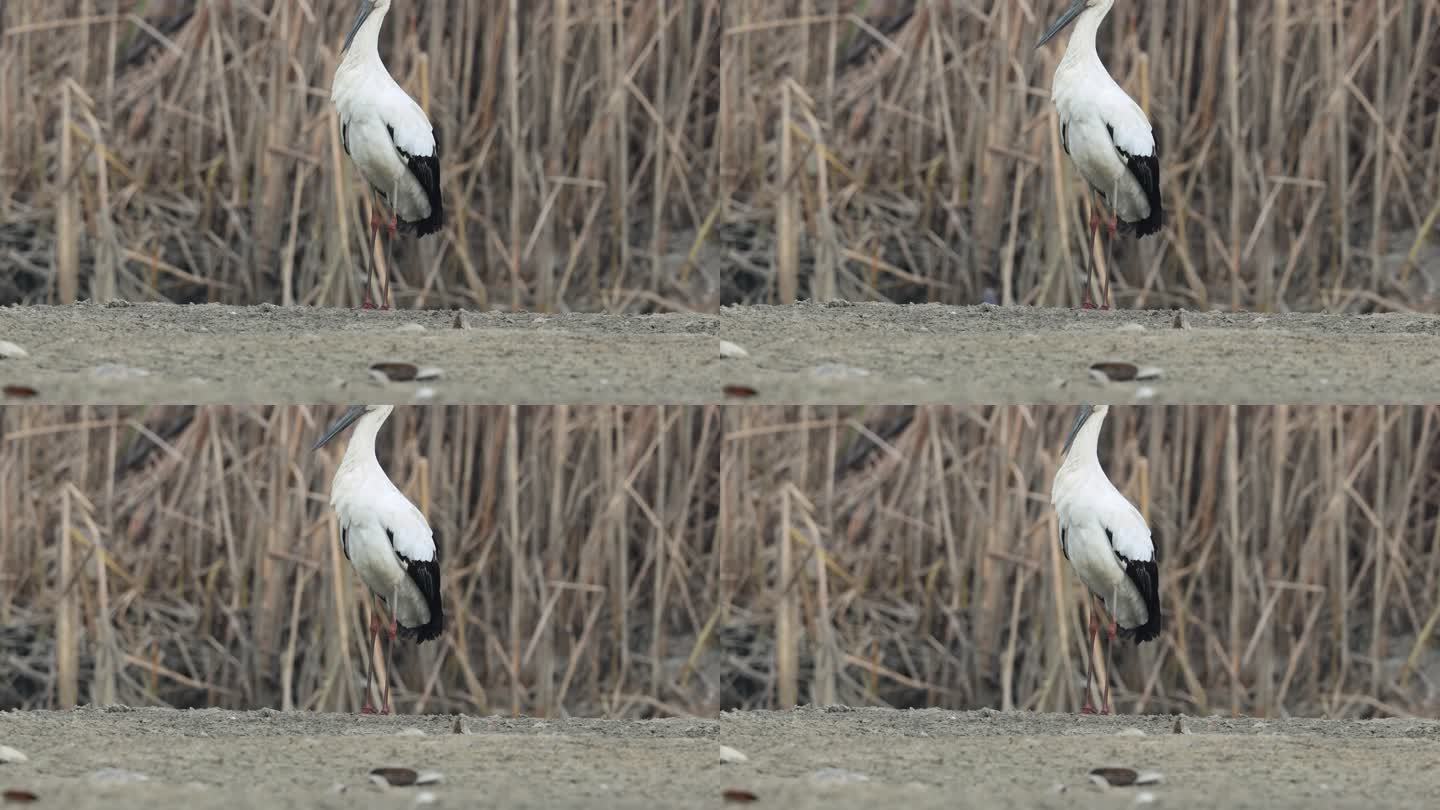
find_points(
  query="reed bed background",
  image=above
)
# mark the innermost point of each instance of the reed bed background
(650, 154)
(909, 557)
(909, 151)
(189, 557)
(189, 151)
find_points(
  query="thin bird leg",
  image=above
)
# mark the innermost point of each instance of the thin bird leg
(1094, 228)
(369, 247)
(1111, 643)
(1105, 271)
(1090, 635)
(389, 674)
(370, 639)
(390, 662)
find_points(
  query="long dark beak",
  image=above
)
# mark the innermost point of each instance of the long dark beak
(349, 417)
(1085, 410)
(366, 6)
(1068, 17)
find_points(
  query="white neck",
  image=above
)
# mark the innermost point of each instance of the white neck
(1085, 449)
(365, 47)
(360, 451)
(1081, 48)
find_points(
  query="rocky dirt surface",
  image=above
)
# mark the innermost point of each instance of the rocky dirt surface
(839, 758)
(146, 758)
(884, 353)
(144, 353)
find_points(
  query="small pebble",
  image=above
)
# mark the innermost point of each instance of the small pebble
(426, 797)
(9, 755)
(410, 731)
(840, 370)
(1149, 778)
(9, 350)
(1144, 797)
(1180, 727)
(837, 776)
(727, 349)
(460, 726)
(1131, 732)
(1130, 327)
(117, 776)
(728, 754)
(410, 327)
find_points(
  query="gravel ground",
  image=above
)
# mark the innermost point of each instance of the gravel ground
(841, 758)
(119, 759)
(837, 353)
(144, 353)
(883, 353)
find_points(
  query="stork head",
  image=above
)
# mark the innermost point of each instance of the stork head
(349, 418)
(1087, 412)
(367, 7)
(1075, 9)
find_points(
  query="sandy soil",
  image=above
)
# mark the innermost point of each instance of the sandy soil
(837, 353)
(218, 758)
(840, 758)
(881, 353)
(142, 353)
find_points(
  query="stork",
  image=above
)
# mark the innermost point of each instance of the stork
(386, 540)
(1107, 543)
(1105, 133)
(386, 135)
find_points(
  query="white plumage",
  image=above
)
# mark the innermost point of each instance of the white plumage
(385, 538)
(1105, 537)
(385, 133)
(1102, 129)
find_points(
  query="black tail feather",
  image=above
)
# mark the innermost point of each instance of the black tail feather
(426, 575)
(1145, 574)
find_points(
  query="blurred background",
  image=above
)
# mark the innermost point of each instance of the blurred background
(189, 151)
(648, 155)
(909, 557)
(189, 557)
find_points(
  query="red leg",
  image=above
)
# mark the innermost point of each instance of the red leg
(375, 223)
(1109, 709)
(1087, 303)
(1092, 632)
(370, 638)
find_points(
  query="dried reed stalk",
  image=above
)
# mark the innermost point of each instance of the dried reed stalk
(576, 542)
(1297, 546)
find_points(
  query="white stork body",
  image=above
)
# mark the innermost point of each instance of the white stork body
(385, 538)
(1103, 130)
(383, 130)
(1105, 538)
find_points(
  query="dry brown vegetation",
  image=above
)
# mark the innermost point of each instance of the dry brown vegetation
(1300, 145)
(189, 556)
(909, 557)
(640, 154)
(190, 151)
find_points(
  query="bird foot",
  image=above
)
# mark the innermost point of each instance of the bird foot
(368, 709)
(1113, 630)
(1087, 304)
(1087, 709)
(394, 628)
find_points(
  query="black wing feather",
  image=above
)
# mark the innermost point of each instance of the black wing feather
(1146, 171)
(426, 576)
(1145, 574)
(426, 169)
